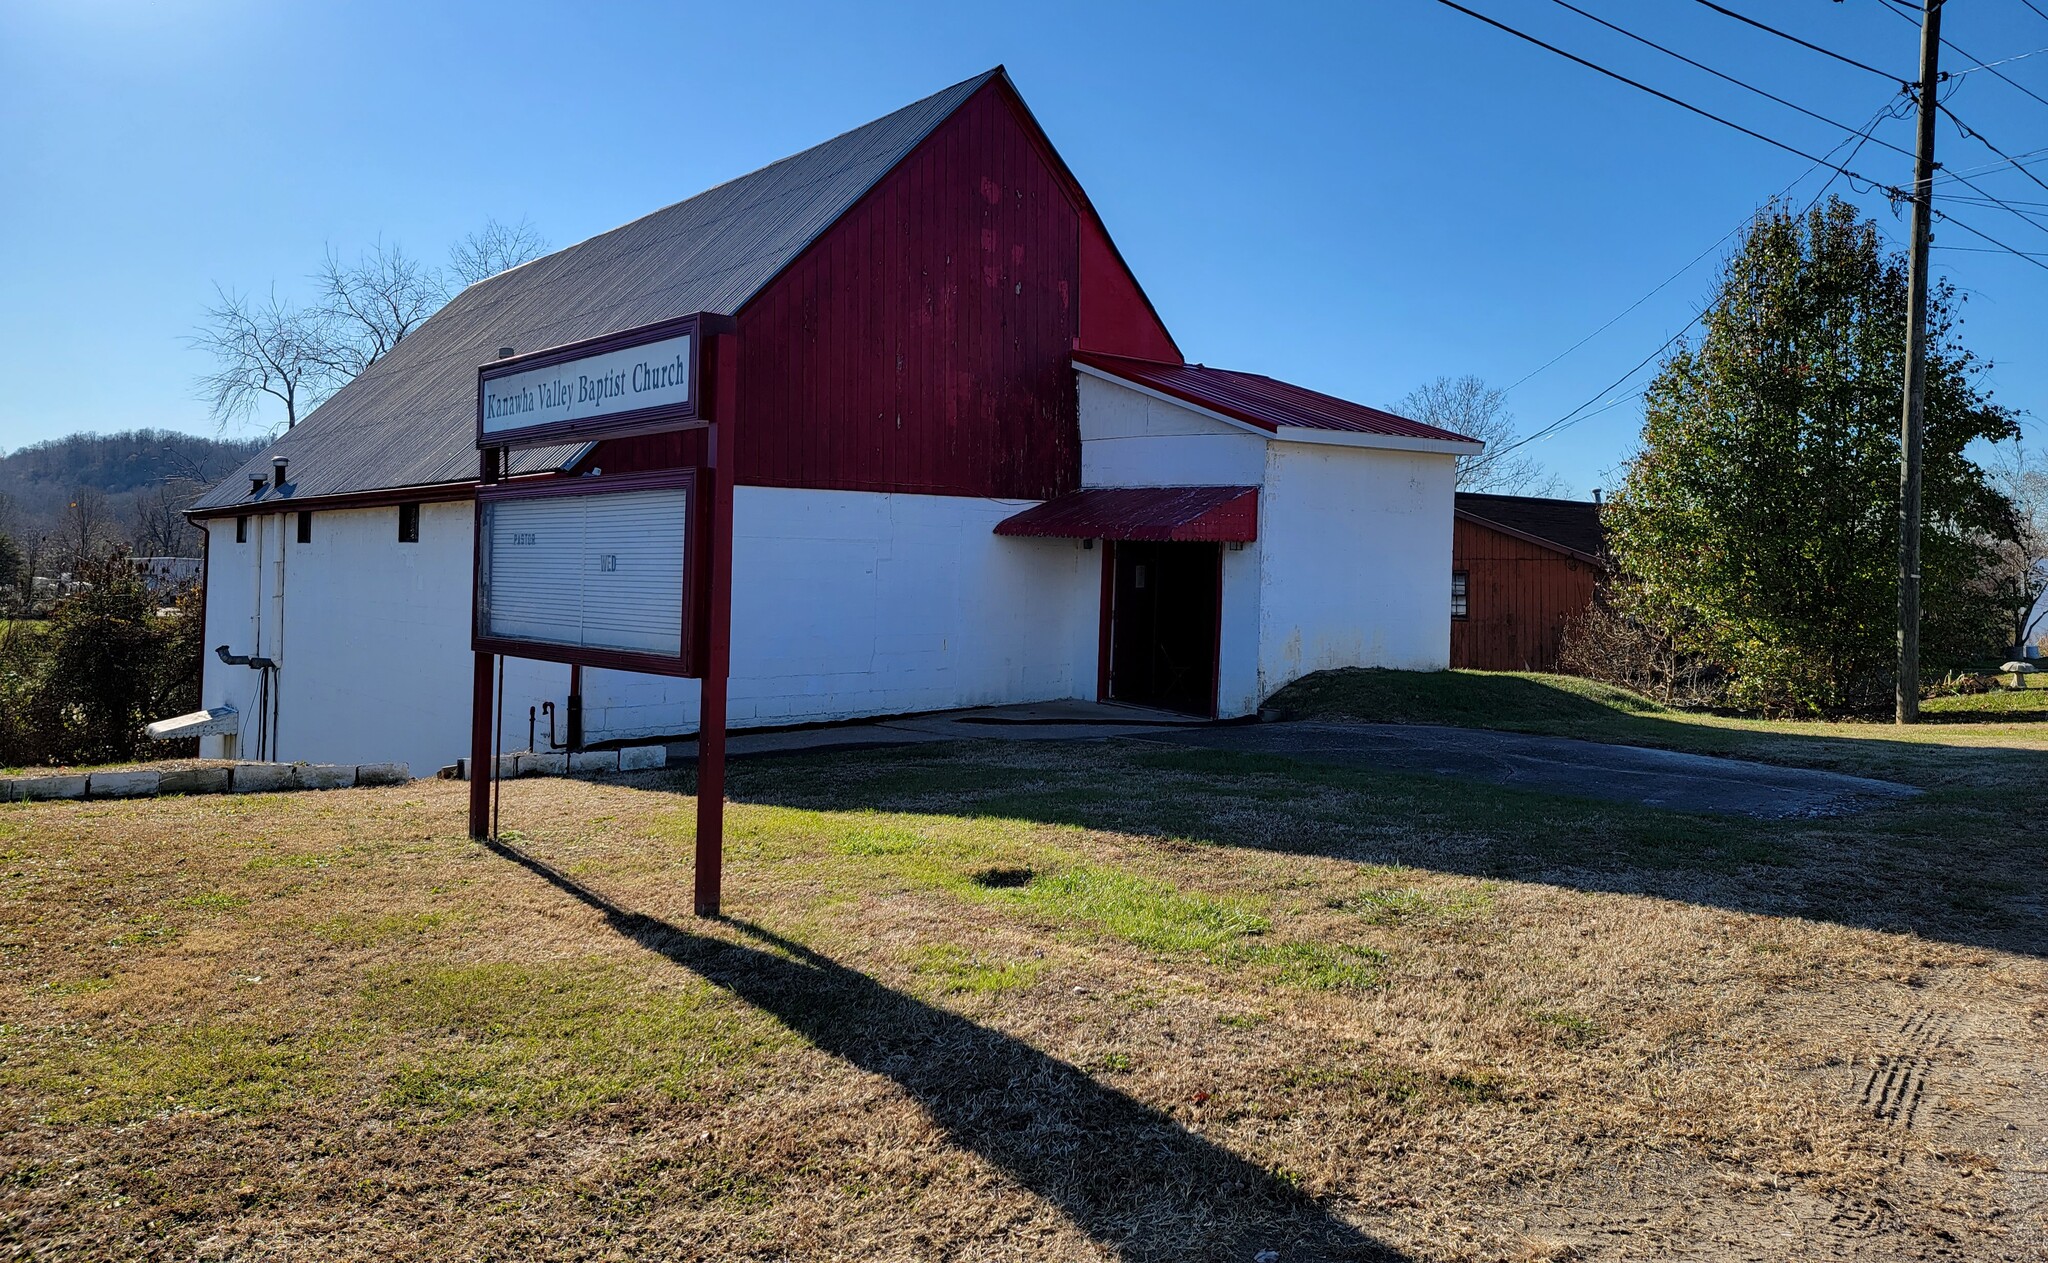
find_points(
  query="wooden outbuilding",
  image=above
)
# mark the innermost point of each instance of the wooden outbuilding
(1521, 568)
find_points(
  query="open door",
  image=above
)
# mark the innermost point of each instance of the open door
(1166, 603)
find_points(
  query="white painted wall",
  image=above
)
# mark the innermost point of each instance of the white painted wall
(1131, 439)
(845, 604)
(1355, 560)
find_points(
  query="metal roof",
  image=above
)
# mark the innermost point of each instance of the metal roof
(1571, 526)
(1261, 401)
(1164, 513)
(409, 420)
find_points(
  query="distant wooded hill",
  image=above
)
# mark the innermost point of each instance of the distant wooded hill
(88, 492)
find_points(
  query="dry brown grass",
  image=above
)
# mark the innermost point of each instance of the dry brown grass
(1037, 1002)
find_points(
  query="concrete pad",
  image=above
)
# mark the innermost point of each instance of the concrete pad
(642, 758)
(383, 774)
(543, 764)
(194, 780)
(43, 788)
(141, 784)
(594, 761)
(262, 778)
(1559, 765)
(326, 775)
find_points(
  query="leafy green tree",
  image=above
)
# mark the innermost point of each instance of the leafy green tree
(1758, 524)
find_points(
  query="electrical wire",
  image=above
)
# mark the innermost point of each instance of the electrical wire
(1580, 413)
(1769, 96)
(1951, 45)
(1825, 52)
(1664, 96)
(2041, 12)
(1883, 112)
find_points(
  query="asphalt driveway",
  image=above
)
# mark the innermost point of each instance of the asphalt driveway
(1587, 769)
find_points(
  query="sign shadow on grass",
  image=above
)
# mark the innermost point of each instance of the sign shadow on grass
(1123, 1172)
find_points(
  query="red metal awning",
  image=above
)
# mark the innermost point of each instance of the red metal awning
(1213, 514)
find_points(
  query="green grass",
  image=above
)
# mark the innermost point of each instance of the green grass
(2030, 702)
(551, 1039)
(1566, 706)
(958, 970)
(1145, 914)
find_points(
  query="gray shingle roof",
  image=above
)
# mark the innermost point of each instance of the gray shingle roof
(410, 419)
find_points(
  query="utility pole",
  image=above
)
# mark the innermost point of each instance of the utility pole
(1913, 421)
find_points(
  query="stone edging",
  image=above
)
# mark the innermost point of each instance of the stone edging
(233, 778)
(560, 763)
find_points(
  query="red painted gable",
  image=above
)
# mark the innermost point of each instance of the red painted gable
(922, 342)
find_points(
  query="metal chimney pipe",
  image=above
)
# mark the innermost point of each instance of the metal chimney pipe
(277, 464)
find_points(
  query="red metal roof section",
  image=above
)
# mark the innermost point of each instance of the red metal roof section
(1261, 401)
(1210, 514)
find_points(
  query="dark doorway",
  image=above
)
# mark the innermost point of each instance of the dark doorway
(1164, 609)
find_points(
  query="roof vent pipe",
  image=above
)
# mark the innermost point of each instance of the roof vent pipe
(504, 352)
(277, 464)
(255, 484)
(1596, 497)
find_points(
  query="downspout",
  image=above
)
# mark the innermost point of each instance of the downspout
(277, 482)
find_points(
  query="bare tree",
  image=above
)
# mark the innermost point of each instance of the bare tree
(300, 355)
(272, 348)
(370, 305)
(160, 528)
(1467, 406)
(2022, 477)
(87, 527)
(495, 248)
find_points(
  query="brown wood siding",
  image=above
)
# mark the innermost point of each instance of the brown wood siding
(1519, 596)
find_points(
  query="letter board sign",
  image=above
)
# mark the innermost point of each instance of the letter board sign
(633, 382)
(596, 571)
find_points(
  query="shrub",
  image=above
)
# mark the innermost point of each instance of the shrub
(112, 656)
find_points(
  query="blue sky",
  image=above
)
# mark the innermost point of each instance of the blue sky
(1357, 196)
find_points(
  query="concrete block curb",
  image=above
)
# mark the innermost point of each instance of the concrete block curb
(262, 778)
(236, 778)
(194, 780)
(326, 775)
(139, 784)
(578, 763)
(642, 758)
(46, 788)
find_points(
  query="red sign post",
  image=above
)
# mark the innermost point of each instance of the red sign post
(629, 572)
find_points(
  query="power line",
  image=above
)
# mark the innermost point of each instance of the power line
(2043, 13)
(1883, 112)
(1770, 96)
(2026, 254)
(1943, 215)
(1963, 52)
(1664, 96)
(2021, 161)
(1979, 138)
(1957, 74)
(1825, 52)
(1579, 413)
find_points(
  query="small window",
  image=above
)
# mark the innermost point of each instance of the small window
(1459, 608)
(305, 528)
(242, 529)
(408, 524)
